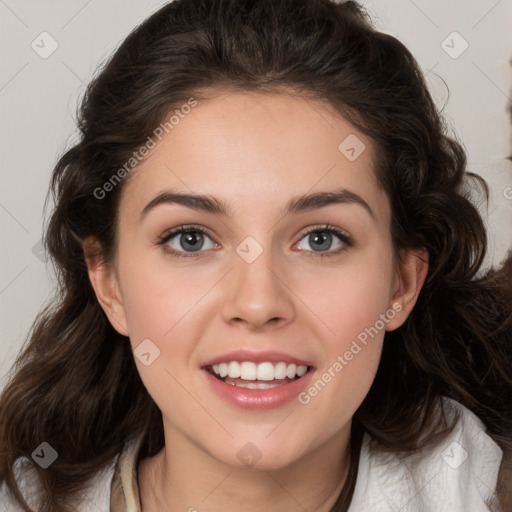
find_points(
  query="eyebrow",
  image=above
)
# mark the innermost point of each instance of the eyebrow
(211, 204)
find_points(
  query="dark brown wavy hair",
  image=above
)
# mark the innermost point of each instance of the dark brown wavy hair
(75, 383)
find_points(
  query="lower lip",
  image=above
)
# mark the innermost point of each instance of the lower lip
(258, 398)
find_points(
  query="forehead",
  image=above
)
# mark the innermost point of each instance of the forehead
(257, 150)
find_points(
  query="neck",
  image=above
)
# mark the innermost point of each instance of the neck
(182, 477)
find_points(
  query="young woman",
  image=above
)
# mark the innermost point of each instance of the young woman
(270, 285)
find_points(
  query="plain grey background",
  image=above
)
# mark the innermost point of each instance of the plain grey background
(463, 44)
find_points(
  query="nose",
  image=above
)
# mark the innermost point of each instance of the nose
(257, 295)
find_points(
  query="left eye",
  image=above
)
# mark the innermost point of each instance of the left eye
(321, 240)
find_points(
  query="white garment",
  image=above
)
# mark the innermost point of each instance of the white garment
(458, 475)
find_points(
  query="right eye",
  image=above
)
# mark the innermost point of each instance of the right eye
(185, 239)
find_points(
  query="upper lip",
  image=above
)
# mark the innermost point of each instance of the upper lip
(270, 356)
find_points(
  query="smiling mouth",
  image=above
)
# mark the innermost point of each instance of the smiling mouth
(266, 375)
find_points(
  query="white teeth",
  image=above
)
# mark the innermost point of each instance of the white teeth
(291, 371)
(247, 370)
(265, 371)
(280, 371)
(234, 370)
(301, 370)
(223, 369)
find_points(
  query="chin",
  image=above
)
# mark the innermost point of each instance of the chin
(260, 454)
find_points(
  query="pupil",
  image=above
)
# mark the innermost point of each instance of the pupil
(324, 239)
(193, 239)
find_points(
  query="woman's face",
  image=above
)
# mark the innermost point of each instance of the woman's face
(266, 283)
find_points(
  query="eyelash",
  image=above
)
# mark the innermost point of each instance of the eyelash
(327, 228)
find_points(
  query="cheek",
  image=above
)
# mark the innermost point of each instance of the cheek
(349, 298)
(353, 306)
(163, 304)
(166, 304)
(159, 295)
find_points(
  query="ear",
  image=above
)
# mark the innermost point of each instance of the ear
(410, 276)
(104, 280)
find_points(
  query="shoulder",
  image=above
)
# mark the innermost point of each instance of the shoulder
(459, 473)
(96, 496)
